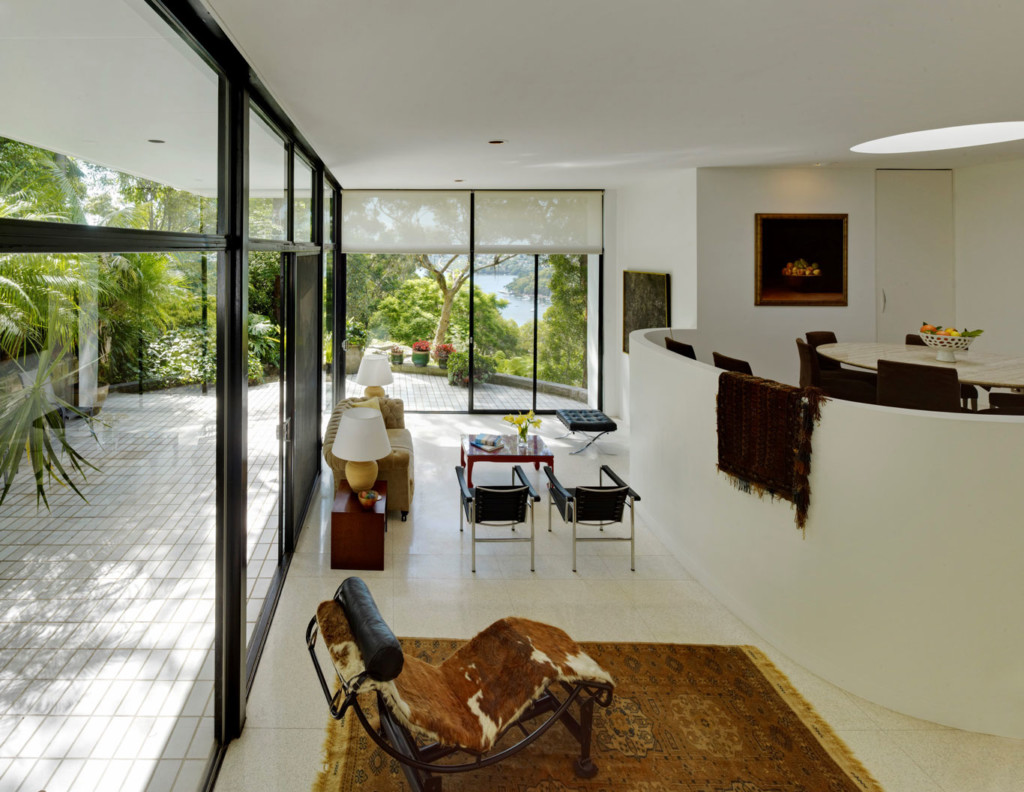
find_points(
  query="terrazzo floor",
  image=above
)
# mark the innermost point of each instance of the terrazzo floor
(427, 589)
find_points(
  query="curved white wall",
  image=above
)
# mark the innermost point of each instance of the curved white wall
(908, 589)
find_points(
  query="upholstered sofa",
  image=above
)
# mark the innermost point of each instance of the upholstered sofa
(396, 468)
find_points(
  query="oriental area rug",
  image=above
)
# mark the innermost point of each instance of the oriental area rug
(683, 717)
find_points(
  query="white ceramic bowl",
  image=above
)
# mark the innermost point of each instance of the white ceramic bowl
(946, 346)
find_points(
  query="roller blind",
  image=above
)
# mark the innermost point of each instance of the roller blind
(413, 221)
(404, 221)
(539, 222)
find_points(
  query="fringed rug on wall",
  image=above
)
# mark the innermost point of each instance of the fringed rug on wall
(684, 717)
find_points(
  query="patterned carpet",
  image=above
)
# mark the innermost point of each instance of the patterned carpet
(684, 717)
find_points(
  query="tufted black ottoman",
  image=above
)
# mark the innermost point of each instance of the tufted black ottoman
(592, 422)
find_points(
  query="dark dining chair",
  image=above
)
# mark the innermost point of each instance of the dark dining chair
(731, 364)
(817, 338)
(497, 505)
(968, 393)
(916, 387)
(837, 384)
(680, 348)
(601, 505)
(1006, 403)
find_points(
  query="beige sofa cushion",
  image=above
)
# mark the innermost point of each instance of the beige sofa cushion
(396, 468)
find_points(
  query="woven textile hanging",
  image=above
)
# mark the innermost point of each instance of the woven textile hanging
(764, 437)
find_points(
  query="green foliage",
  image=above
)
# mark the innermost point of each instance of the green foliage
(370, 278)
(31, 424)
(458, 368)
(184, 356)
(265, 283)
(355, 333)
(520, 366)
(409, 313)
(562, 334)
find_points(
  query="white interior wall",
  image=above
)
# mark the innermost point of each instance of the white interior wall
(913, 251)
(728, 199)
(988, 205)
(655, 230)
(900, 589)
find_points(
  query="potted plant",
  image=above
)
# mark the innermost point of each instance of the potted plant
(458, 368)
(442, 352)
(355, 340)
(397, 355)
(420, 353)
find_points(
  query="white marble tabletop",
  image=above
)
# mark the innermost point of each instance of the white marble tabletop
(976, 368)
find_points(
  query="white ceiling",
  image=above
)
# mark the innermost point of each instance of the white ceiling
(588, 93)
(596, 93)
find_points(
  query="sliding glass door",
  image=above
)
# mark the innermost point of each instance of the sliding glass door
(530, 323)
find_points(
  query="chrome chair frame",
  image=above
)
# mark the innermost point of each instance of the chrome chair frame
(468, 508)
(571, 500)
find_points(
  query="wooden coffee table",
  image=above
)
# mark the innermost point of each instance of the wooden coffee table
(536, 451)
(357, 534)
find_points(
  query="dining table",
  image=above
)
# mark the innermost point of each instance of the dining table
(976, 368)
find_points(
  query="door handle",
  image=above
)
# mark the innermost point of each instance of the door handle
(883, 300)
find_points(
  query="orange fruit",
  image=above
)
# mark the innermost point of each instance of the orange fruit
(927, 328)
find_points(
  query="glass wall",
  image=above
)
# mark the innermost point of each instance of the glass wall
(264, 416)
(415, 310)
(268, 181)
(107, 362)
(106, 643)
(303, 201)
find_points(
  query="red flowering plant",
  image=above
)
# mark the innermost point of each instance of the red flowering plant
(420, 346)
(444, 350)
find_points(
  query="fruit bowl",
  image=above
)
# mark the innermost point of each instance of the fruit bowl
(947, 346)
(367, 498)
(802, 282)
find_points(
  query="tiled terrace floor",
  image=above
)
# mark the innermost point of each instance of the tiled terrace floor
(432, 393)
(106, 607)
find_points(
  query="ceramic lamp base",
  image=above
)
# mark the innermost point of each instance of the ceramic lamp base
(374, 390)
(361, 475)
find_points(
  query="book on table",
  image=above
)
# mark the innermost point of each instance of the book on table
(488, 442)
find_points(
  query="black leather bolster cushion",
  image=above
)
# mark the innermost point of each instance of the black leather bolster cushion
(382, 654)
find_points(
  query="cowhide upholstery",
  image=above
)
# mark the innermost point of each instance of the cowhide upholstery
(476, 693)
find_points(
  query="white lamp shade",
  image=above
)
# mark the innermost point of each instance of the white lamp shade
(361, 436)
(374, 370)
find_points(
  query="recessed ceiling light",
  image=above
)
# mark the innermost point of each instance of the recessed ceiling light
(945, 138)
(496, 142)
(459, 180)
(155, 140)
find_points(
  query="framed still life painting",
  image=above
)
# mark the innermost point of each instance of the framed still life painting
(645, 302)
(800, 259)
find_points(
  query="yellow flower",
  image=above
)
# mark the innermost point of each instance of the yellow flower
(522, 422)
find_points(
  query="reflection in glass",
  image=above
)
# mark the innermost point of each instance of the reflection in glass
(268, 181)
(303, 201)
(264, 401)
(36, 184)
(125, 582)
(328, 209)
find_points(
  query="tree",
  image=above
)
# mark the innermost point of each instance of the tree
(369, 278)
(450, 274)
(410, 314)
(563, 330)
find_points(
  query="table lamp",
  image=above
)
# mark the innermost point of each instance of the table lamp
(361, 440)
(374, 372)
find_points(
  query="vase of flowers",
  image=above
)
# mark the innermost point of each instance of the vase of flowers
(522, 423)
(441, 353)
(420, 353)
(397, 355)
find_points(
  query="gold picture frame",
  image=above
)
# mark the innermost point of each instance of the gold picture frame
(645, 302)
(782, 240)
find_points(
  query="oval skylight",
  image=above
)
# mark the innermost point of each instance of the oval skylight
(945, 138)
